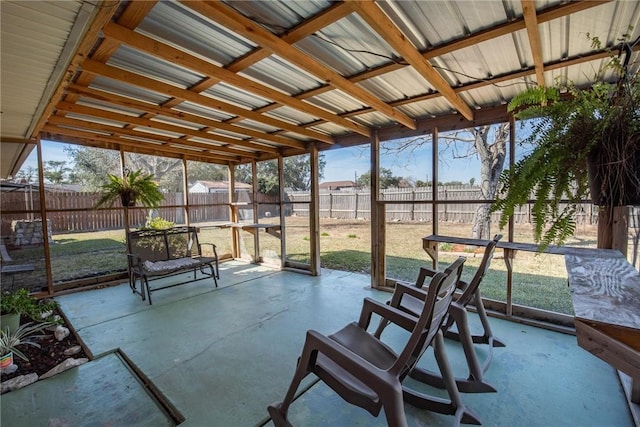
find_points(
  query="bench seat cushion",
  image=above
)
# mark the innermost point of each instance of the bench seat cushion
(163, 267)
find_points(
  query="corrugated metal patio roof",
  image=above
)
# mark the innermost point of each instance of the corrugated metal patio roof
(238, 81)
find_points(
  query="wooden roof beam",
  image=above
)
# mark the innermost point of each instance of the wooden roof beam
(531, 22)
(171, 54)
(230, 18)
(468, 41)
(333, 13)
(103, 16)
(144, 122)
(210, 124)
(176, 92)
(113, 143)
(382, 24)
(120, 131)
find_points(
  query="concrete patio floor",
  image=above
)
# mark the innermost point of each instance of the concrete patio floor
(218, 357)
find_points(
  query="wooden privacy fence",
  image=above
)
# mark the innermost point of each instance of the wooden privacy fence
(352, 204)
(75, 212)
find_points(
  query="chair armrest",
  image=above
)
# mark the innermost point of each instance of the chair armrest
(424, 273)
(213, 248)
(392, 314)
(402, 289)
(343, 357)
(131, 258)
(462, 284)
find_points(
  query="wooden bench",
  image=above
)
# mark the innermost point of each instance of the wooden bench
(157, 254)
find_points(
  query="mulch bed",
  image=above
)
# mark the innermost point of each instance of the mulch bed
(47, 357)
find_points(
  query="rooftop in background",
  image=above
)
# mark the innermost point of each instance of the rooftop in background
(230, 82)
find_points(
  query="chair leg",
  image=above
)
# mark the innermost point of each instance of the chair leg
(279, 410)
(146, 282)
(474, 383)
(213, 273)
(394, 409)
(486, 338)
(453, 406)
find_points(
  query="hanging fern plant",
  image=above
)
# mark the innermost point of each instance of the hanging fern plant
(576, 131)
(134, 187)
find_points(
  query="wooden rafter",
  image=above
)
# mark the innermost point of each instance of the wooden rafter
(157, 125)
(176, 92)
(330, 15)
(179, 57)
(531, 22)
(467, 41)
(102, 17)
(380, 22)
(227, 16)
(89, 140)
(208, 124)
(163, 140)
(282, 141)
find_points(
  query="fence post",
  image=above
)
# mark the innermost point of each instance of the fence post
(355, 214)
(330, 204)
(413, 205)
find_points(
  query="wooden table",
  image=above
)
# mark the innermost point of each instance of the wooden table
(605, 290)
(253, 228)
(430, 245)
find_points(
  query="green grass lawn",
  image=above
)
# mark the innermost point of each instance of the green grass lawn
(539, 279)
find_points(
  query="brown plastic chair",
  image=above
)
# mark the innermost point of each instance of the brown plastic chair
(474, 383)
(365, 371)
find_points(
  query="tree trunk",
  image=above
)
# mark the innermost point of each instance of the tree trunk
(492, 156)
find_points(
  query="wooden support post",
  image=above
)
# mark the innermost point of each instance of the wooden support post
(283, 209)
(378, 271)
(434, 195)
(613, 228)
(314, 212)
(254, 207)
(185, 191)
(233, 212)
(43, 217)
(510, 255)
(126, 208)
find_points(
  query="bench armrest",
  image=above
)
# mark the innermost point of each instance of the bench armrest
(213, 248)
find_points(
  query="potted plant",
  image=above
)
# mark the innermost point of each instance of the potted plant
(15, 304)
(586, 142)
(133, 187)
(10, 340)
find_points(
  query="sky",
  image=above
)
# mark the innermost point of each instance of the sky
(346, 164)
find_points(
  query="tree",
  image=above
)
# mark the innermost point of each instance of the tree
(296, 170)
(92, 165)
(387, 179)
(56, 171)
(489, 144)
(27, 174)
(492, 154)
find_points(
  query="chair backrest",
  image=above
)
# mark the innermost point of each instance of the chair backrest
(439, 297)
(469, 291)
(162, 245)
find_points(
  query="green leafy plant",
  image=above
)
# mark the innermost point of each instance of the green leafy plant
(22, 303)
(24, 335)
(158, 223)
(134, 187)
(586, 142)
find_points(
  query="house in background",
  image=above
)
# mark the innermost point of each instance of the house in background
(338, 185)
(216, 187)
